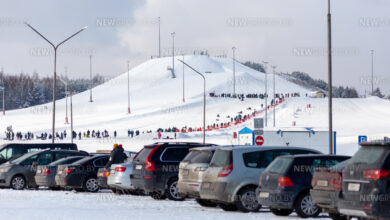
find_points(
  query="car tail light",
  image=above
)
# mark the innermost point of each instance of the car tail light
(149, 165)
(46, 171)
(106, 174)
(336, 183)
(120, 169)
(69, 170)
(285, 181)
(313, 182)
(226, 171)
(376, 174)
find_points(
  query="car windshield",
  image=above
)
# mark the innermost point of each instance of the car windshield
(221, 158)
(340, 166)
(24, 157)
(368, 155)
(279, 165)
(203, 156)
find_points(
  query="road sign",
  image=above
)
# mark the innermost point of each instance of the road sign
(259, 140)
(258, 132)
(362, 139)
(258, 123)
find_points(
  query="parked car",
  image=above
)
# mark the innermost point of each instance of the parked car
(102, 176)
(326, 189)
(45, 174)
(19, 173)
(156, 168)
(14, 150)
(366, 183)
(119, 182)
(285, 184)
(191, 170)
(233, 174)
(81, 175)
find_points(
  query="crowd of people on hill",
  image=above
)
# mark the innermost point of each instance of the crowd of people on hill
(242, 96)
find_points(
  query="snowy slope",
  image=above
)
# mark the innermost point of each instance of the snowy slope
(156, 102)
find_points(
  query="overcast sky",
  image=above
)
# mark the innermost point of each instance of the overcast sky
(289, 34)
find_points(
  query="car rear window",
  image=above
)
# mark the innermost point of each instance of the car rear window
(144, 153)
(279, 165)
(368, 155)
(202, 157)
(174, 154)
(252, 159)
(65, 161)
(221, 158)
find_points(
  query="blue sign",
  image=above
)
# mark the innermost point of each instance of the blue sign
(362, 139)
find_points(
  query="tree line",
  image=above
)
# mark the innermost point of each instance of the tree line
(24, 90)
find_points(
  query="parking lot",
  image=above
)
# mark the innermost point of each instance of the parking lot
(45, 204)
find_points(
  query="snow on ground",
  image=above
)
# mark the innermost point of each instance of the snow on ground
(45, 204)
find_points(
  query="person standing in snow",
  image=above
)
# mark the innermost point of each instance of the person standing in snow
(117, 155)
(114, 134)
(159, 135)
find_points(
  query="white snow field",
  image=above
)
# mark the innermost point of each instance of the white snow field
(156, 102)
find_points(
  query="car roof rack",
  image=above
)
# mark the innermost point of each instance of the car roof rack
(384, 142)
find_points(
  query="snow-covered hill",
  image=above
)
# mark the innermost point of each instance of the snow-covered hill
(156, 102)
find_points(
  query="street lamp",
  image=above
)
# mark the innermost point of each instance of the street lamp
(90, 79)
(372, 72)
(183, 81)
(71, 115)
(159, 38)
(204, 99)
(3, 90)
(173, 54)
(128, 87)
(330, 95)
(274, 67)
(55, 47)
(66, 99)
(266, 93)
(234, 71)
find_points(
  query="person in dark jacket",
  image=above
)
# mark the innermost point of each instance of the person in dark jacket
(117, 156)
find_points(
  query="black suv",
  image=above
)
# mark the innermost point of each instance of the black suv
(156, 168)
(366, 183)
(285, 184)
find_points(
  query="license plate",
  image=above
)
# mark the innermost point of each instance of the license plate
(138, 167)
(100, 174)
(264, 194)
(206, 185)
(60, 171)
(186, 172)
(39, 171)
(353, 187)
(112, 171)
(323, 183)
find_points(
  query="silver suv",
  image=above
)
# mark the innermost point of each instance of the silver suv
(233, 175)
(191, 170)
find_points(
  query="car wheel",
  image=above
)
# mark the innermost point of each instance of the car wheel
(281, 212)
(206, 203)
(91, 185)
(247, 201)
(305, 207)
(337, 216)
(172, 191)
(157, 196)
(18, 183)
(228, 207)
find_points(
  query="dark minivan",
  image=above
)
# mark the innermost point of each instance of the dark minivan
(285, 184)
(366, 183)
(156, 168)
(14, 150)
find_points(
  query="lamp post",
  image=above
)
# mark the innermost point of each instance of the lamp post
(128, 87)
(2, 88)
(372, 72)
(66, 99)
(55, 47)
(234, 71)
(159, 38)
(183, 81)
(274, 67)
(90, 79)
(266, 93)
(330, 95)
(204, 99)
(173, 54)
(71, 115)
